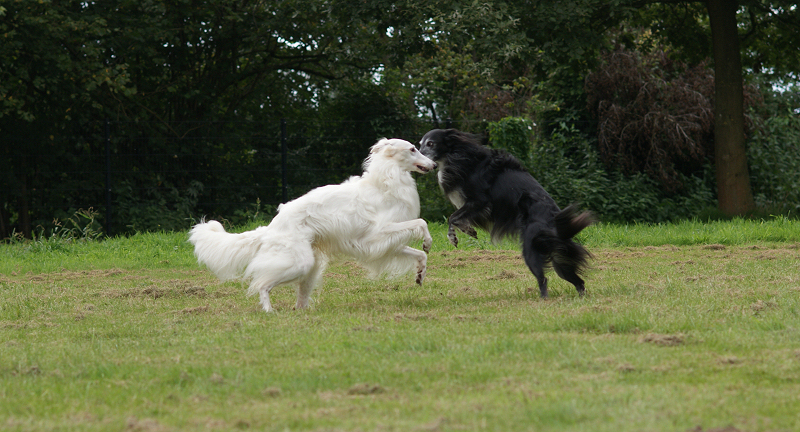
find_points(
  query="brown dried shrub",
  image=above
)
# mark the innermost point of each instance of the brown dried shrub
(655, 114)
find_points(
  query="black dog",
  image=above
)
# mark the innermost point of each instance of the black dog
(492, 190)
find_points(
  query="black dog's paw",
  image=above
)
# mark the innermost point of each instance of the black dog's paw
(453, 239)
(451, 235)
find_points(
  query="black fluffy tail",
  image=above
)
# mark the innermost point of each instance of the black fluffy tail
(569, 222)
(541, 245)
(570, 258)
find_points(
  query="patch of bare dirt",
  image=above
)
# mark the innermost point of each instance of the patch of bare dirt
(194, 310)
(155, 292)
(366, 389)
(663, 340)
(144, 425)
(661, 248)
(722, 429)
(729, 360)
(414, 317)
(65, 275)
(272, 392)
(482, 256)
(167, 289)
(504, 274)
(761, 305)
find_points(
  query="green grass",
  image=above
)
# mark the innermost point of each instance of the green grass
(683, 326)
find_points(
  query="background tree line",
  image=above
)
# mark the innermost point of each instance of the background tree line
(611, 103)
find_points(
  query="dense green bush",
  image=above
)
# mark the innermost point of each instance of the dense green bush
(774, 157)
(568, 166)
(434, 207)
(513, 134)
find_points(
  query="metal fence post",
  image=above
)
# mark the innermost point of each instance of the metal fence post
(284, 158)
(108, 177)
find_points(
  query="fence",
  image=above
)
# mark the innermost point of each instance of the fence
(146, 176)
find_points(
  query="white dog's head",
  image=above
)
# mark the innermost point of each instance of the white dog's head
(401, 152)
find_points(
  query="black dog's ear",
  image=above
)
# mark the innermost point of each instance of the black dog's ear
(460, 137)
(449, 134)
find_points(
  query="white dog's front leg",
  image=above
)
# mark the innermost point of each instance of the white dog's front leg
(392, 238)
(427, 241)
(404, 232)
(422, 262)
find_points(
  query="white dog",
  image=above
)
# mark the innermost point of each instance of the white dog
(370, 218)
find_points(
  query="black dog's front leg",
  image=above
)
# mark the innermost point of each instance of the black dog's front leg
(451, 235)
(462, 219)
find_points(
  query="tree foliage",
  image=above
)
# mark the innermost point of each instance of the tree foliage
(164, 71)
(213, 78)
(765, 28)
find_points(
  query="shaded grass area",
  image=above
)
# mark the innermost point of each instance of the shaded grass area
(130, 334)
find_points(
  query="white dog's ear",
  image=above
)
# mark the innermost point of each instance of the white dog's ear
(380, 145)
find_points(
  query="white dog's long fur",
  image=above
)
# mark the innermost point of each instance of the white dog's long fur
(370, 218)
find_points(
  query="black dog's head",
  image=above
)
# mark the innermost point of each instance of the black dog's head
(433, 144)
(438, 143)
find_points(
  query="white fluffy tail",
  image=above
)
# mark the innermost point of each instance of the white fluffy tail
(225, 254)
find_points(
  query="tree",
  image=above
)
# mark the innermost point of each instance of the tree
(764, 29)
(733, 180)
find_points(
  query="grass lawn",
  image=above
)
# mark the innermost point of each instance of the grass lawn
(685, 327)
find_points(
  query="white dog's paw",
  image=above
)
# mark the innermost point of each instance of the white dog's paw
(265, 303)
(427, 242)
(301, 304)
(421, 275)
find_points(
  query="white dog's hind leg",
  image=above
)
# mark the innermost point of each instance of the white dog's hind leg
(311, 280)
(278, 267)
(264, 295)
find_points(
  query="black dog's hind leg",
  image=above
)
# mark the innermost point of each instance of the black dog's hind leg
(568, 273)
(537, 241)
(568, 261)
(535, 262)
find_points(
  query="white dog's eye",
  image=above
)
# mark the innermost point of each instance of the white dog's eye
(413, 150)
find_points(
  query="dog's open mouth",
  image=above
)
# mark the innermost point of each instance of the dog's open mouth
(423, 169)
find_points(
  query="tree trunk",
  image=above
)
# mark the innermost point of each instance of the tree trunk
(733, 180)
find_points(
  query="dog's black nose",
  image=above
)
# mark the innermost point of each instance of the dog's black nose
(435, 165)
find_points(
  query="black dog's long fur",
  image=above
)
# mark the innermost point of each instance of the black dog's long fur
(492, 190)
